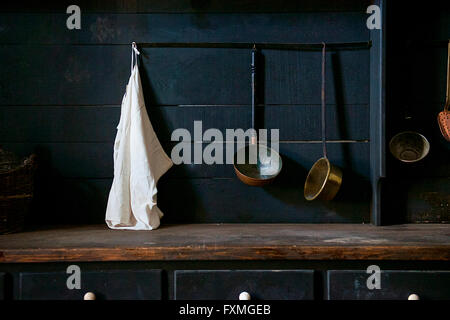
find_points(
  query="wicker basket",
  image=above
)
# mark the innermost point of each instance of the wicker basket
(16, 191)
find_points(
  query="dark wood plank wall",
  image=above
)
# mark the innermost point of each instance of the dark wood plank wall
(60, 94)
(417, 65)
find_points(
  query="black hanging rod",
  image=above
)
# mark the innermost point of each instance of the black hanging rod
(259, 45)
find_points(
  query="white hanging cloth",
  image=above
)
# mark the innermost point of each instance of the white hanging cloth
(139, 162)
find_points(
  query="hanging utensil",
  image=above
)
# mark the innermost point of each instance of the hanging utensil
(409, 146)
(444, 116)
(261, 164)
(324, 179)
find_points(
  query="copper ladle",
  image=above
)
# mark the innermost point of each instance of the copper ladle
(444, 116)
(268, 162)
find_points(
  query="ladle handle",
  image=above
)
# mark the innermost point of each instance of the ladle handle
(253, 70)
(324, 143)
(447, 96)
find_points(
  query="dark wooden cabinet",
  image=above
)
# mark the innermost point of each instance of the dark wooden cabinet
(108, 285)
(2, 286)
(259, 284)
(395, 285)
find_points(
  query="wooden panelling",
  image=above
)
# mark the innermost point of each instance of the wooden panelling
(58, 124)
(124, 28)
(68, 201)
(60, 95)
(105, 284)
(98, 123)
(81, 201)
(345, 122)
(212, 194)
(229, 200)
(228, 284)
(2, 286)
(394, 285)
(197, 6)
(85, 75)
(95, 160)
(347, 77)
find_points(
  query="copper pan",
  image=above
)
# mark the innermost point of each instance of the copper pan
(262, 164)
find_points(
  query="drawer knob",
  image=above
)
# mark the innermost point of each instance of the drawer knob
(413, 297)
(89, 296)
(244, 296)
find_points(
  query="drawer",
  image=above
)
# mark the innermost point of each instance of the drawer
(112, 285)
(229, 284)
(395, 285)
(2, 286)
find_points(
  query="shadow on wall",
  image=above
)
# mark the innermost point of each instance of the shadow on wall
(59, 200)
(355, 192)
(169, 190)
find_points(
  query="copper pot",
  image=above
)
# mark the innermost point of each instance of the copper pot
(409, 146)
(262, 164)
(264, 171)
(444, 116)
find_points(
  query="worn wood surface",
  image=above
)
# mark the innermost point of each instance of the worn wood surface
(230, 242)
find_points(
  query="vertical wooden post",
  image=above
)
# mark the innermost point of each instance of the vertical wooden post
(377, 114)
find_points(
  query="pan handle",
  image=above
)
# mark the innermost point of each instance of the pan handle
(324, 142)
(254, 87)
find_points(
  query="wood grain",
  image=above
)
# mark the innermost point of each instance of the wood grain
(95, 160)
(97, 75)
(229, 242)
(212, 27)
(98, 123)
(192, 6)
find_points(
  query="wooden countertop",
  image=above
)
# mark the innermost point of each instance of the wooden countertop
(230, 242)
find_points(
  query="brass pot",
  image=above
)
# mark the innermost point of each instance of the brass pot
(323, 181)
(409, 146)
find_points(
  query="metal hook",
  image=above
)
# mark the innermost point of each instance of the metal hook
(134, 46)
